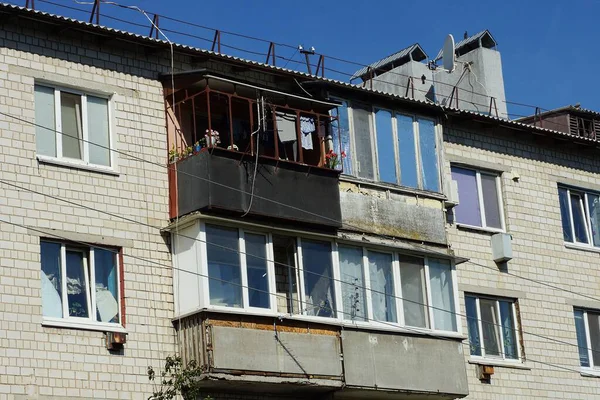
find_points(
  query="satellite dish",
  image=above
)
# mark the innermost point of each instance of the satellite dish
(448, 53)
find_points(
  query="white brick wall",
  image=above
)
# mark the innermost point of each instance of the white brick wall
(43, 362)
(532, 215)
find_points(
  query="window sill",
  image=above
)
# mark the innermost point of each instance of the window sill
(590, 372)
(392, 187)
(584, 247)
(479, 229)
(88, 326)
(74, 164)
(516, 364)
(360, 325)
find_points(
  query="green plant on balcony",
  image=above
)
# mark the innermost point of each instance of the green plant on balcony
(333, 160)
(177, 379)
(173, 155)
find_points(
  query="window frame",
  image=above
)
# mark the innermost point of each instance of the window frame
(89, 323)
(84, 163)
(498, 178)
(592, 369)
(584, 202)
(340, 316)
(516, 328)
(374, 148)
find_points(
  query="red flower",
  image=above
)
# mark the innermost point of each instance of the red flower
(343, 154)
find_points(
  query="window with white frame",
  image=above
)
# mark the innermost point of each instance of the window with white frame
(80, 284)
(73, 126)
(480, 198)
(587, 326)
(580, 214)
(492, 324)
(392, 147)
(322, 278)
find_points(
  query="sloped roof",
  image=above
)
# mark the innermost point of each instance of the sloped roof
(480, 39)
(414, 52)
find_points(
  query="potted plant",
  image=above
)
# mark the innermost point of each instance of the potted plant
(332, 160)
(212, 138)
(173, 155)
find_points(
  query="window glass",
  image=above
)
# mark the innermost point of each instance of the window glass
(256, 261)
(442, 298)
(77, 283)
(578, 218)
(223, 266)
(508, 331)
(581, 339)
(407, 150)
(594, 327)
(72, 125)
(45, 135)
(565, 214)
(362, 136)
(382, 287)
(594, 210)
(353, 282)
(342, 126)
(490, 327)
(429, 161)
(468, 210)
(51, 280)
(414, 295)
(98, 130)
(385, 146)
(107, 304)
(473, 325)
(318, 282)
(490, 201)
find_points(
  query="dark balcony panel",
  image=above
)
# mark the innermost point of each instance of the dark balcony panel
(221, 181)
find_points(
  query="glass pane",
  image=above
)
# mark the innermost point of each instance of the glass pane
(107, 304)
(565, 214)
(594, 210)
(385, 146)
(429, 161)
(77, 285)
(353, 283)
(472, 325)
(581, 339)
(72, 131)
(45, 135)
(258, 279)
(468, 210)
(414, 296)
(382, 287)
(51, 280)
(407, 151)
(490, 201)
(342, 125)
(362, 137)
(508, 330)
(442, 294)
(578, 218)
(594, 326)
(98, 130)
(318, 278)
(224, 273)
(490, 327)
(286, 287)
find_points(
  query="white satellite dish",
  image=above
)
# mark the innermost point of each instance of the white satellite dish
(448, 54)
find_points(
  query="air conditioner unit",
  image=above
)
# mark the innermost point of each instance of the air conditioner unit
(501, 247)
(451, 191)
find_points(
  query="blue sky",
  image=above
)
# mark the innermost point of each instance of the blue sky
(549, 48)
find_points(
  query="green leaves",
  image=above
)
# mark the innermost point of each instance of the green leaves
(177, 378)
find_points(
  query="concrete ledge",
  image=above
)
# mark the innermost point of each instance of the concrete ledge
(79, 237)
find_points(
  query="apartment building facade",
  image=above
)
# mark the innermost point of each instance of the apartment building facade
(295, 236)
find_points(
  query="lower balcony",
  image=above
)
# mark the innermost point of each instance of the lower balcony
(275, 355)
(222, 181)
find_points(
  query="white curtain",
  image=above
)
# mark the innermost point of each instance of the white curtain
(442, 297)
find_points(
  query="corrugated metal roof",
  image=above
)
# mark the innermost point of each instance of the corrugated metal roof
(468, 41)
(149, 40)
(414, 52)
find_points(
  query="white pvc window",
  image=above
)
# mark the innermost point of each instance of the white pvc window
(587, 327)
(73, 126)
(580, 214)
(80, 284)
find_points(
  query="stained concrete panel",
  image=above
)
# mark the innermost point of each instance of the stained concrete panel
(260, 350)
(406, 363)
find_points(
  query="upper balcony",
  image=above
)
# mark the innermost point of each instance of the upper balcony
(238, 149)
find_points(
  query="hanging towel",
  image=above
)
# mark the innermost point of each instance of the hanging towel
(286, 127)
(307, 127)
